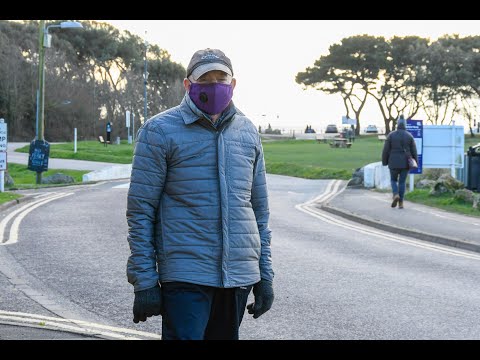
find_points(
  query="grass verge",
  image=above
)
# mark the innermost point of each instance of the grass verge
(444, 201)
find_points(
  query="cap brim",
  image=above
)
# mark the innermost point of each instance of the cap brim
(202, 69)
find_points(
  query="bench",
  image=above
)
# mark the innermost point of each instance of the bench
(325, 137)
(382, 137)
(340, 143)
(102, 140)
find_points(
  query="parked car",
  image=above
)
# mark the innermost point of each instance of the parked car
(372, 129)
(331, 128)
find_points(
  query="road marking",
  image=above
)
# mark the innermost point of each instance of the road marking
(330, 193)
(76, 326)
(122, 186)
(26, 208)
(13, 238)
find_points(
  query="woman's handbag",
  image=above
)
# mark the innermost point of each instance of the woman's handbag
(412, 163)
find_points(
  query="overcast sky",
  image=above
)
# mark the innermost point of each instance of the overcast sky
(267, 54)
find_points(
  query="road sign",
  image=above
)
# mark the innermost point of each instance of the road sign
(3, 160)
(127, 118)
(3, 136)
(38, 155)
(415, 127)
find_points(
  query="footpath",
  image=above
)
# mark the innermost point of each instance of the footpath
(422, 222)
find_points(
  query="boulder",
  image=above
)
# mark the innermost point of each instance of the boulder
(468, 196)
(425, 184)
(446, 183)
(8, 180)
(58, 178)
(357, 178)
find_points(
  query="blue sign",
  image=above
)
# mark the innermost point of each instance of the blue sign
(415, 127)
(38, 155)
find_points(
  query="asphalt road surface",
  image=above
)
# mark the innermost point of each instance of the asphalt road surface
(65, 257)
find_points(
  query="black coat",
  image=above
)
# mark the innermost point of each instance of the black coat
(393, 153)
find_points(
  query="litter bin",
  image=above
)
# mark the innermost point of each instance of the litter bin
(473, 174)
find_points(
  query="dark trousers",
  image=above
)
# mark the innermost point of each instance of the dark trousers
(197, 312)
(398, 179)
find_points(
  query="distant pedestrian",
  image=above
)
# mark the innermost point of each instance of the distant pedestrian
(397, 144)
(109, 131)
(352, 134)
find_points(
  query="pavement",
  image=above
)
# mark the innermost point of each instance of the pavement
(372, 207)
(366, 206)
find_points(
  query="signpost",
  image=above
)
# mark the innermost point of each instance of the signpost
(443, 147)
(438, 146)
(348, 121)
(415, 127)
(127, 124)
(3, 153)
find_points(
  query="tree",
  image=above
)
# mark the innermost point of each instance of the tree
(397, 90)
(98, 71)
(351, 68)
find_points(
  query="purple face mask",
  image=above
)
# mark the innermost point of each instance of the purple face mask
(211, 98)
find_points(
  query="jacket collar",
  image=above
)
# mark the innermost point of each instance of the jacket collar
(191, 113)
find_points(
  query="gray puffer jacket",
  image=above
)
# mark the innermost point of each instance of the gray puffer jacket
(197, 207)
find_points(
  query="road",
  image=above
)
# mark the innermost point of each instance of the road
(65, 258)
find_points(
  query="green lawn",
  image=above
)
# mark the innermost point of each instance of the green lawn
(91, 151)
(317, 160)
(469, 141)
(443, 201)
(26, 179)
(8, 196)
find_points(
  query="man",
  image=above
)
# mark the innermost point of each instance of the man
(198, 211)
(398, 144)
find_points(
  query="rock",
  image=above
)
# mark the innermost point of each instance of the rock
(468, 196)
(355, 181)
(446, 183)
(58, 178)
(357, 178)
(8, 180)
(425, 184)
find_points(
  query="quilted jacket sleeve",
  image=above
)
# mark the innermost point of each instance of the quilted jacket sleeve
(260, 207)
(149, 168)
(386, 150)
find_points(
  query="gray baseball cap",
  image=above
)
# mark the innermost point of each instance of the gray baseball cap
(207, 60)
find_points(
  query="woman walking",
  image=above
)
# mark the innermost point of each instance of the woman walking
(398, 145)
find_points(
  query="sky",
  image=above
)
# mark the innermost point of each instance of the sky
(267, 54)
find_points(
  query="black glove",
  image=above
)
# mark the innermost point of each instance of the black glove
(263, 293)
(147, 303)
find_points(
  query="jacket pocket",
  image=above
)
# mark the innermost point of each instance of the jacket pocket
(240, 162)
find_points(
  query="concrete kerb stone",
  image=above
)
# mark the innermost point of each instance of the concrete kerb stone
(401, 231)
(109, 173)
(23, 199)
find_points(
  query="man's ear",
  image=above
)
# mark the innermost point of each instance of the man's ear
(186, 84)
(234, 83)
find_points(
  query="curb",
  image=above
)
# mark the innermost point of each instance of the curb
(457, 243)
(23, 199)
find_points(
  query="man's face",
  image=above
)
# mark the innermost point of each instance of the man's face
(214, 76)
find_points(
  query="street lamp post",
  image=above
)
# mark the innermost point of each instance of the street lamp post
(145, 78)
(45, 42)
